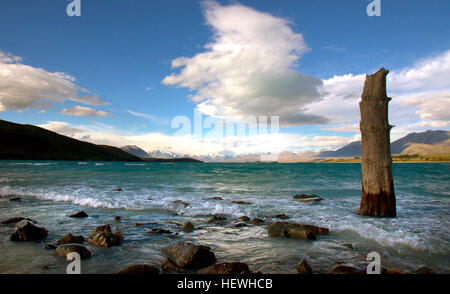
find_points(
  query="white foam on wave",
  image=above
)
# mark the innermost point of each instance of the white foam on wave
(32, 163)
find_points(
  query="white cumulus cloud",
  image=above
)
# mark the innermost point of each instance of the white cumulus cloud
(247, 69)
(83, 111)
(23, 86)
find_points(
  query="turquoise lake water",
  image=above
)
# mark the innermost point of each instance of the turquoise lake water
(51, 190)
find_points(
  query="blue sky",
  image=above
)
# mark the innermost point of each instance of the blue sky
(121, 51)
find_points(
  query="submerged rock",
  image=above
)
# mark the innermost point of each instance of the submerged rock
(117, 189)
(257, 221)
(242, 202)
(358, 268)
(17, 219)
(51, 245)
(117, 218)
(159, 231)
(79, 214)
(69, 238)
(103, 236)
(186, 204)
(304, 268)
(188, 227)
(65, 249)
(227, 268)
(238, 225)
(139, 269)
(348, 245)
(307, 198)
(215, 198)
(189, 255)
(281, 216)
(244, 218)
(168, 265)
(27, 231)
(15, 199)
(217, 218)
(293, 230)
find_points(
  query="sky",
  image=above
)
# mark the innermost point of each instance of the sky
(205, 77)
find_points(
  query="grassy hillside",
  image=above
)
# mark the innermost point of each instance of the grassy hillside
(27, 142)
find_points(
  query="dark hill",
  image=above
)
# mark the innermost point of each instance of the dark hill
(27, 142)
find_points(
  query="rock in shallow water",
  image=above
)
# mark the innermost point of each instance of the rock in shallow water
(69, 238)
(79, 214)
(168, 265)
(189, 255)
(227, 268)
(281, 216)
(103, 236)
(257, 221)
(159, 231)
(65, 249)
(303, 267)
(27, 231)
(293, 230)
(244, 218)
(140, 269)
(188, 227)
(15, 220)
(217, 218)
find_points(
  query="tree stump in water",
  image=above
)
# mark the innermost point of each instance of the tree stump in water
(377, 197)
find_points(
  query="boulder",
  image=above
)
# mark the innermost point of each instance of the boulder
(117, 218)
(189, 255)
(27, 231)
(159, 231)
(139, 269)
(304, 268)
(238, 225)
(393, 271)
(103, 236)
(217, 218)
(281, 216)
(65, 249)
(293, 230)
(117, 189)
(279, 227)
(79, 214)
(242, 202)
(227, 268)
(244, 218)
(15, 199)
(358, 268)
(307, 198)
(423, 270)
(348, 245)
(181, 202)
(69, 238)
(169, 266)
(17, 219)
(188, 227)
(257, 221)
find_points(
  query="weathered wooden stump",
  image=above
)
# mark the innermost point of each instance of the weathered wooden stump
(377, 197)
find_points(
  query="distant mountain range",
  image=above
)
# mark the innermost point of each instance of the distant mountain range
(28, 142)
(429, 142)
